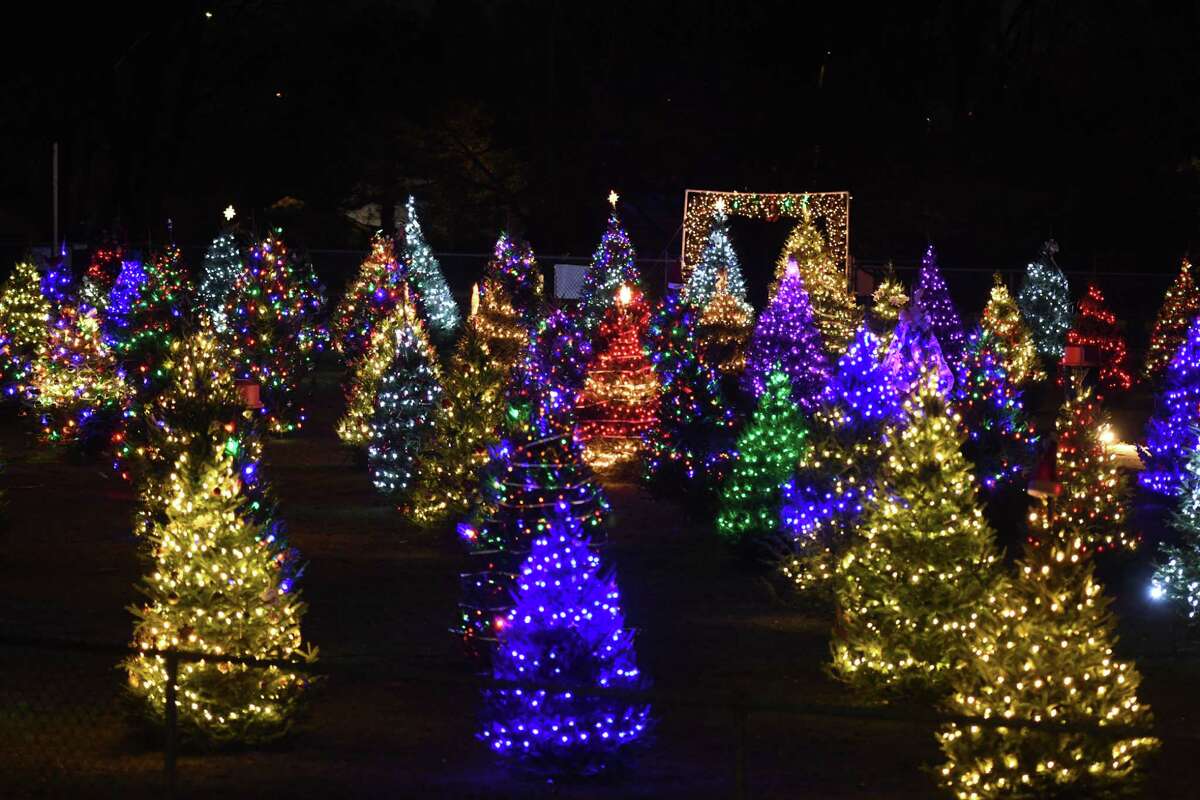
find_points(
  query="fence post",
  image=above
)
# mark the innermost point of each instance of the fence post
(172, 723)
(741, 713)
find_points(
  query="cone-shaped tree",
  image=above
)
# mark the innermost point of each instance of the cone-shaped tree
(1171, 433)
(1180, 306)
(612, 267)
(514, 275)
(369, 300)
(100, 274)
(887, 301)
(145, 315)
(1002, 319)
(58, 281)
(924, 565)
(768, 449)
(833, 306)
(1045, 301)
(220, 270)
(566, 629)
(723, 329)
(716, 259)
(914, 350)
(1042, 653)
(1096, 326)
(934, 298)
(218, 586)
(1177, 576)
(24, 317)
(786, 339)
(434, 300)
(354, 427)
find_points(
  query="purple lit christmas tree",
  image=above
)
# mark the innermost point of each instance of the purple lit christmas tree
(612, 267)
(787, 339)
(1171, 434)
(566, 629)
(914, 348)
(932, 295)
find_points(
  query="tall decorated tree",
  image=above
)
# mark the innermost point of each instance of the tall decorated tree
(717, 259)
(786, 339)
(768, 449)
(1180, 306)
(619, 402)
(100, 274)
(1171, 433)
(408, 397)
(1096, 326)
(219, 586)
(1002, 319)
(887, 301)
(24, 317)
(1094, 496)
(1045, 301)
(272, 321)
(566, 631)
(436, 304)
(612, 267)
(934, 298)
(723, 329)
(914, 350)
(833, 307)
(689, 452)
(1000, 442)
(222, 265)
(925, 562)
(1177, 575)
(1043, 654)
(369, 300)
(823, 501)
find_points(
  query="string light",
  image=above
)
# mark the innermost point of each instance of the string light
(1045, 301)
(934, 299)
(1096, 326)
(613, 266)
(424, 273)
(100, 275)
(718, 261)
(1180, 306)
(24, 317)
(888, 300)
(370, 299)
(1177, 576)
(914, 350)
(1002, 320)
(1171, 433)
(723, 330)
(221, 268)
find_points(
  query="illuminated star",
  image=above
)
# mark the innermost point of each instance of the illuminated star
(613, 197)
(229, 213)
(720, 205)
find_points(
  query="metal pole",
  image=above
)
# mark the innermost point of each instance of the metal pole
(172, 723)
(742, 713)
(54, 192)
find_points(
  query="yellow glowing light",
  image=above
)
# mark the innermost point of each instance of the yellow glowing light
(624, 295)
(613, 197)
(229, 213)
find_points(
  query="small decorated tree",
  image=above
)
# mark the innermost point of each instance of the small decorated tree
(100, 275)
(368, 300)
(1045, 301)
(1096, 326)
(361, 391)
(914, 350)
(612, 267)
(1180, 306)
(24, 317)
(786, 339)
(1003, 321)
(934, 299)
(833, 307)
(618, 405)
(220, 270)
(717, 259)
(924, 565)
(1042, 653)
(768, 449)
(566, 630)
(1171, 433)
(219, 587)
(513, 277)
(887, 301)
(1177, 576)
(722, 330)
(58, 281)
(433, 296)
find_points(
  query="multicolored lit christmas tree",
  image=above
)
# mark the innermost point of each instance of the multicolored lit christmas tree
(1171, 433)
(1177, 575)
(887, 301)
(914, 350)
(1096, 326)
(424, 273)
(924, 565)
(218, 586)
(145, 314)
(1001, 441)
(513, 276)
(101, 274)
(612, 267)
(219, 272)
(368, 300)
(1180, 306)
(723, 329)
(786, 339)
(933, 297)
(1003, 321)
(619, 402)
(1045, 301)
(768, 449)
(24, 317)
(833, 307)
(717, 259)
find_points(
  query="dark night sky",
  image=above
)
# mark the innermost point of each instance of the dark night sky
(984, 126)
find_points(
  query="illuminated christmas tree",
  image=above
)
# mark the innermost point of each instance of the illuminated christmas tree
(723, 329)
(1092, 504)
(424, 274)
(219, 586)
(1180, 306)
(220, 270)
(272, 320)
(924, 564)
(1171, 433)
(1096, 326)
(1000, 442)
(1045, 301)
(618, 405)
(933, 297)
(354, 427)
(408, 397)
(1002, 319)
(768, 449)
(499, 323)
(1042, 653)
(717, 259)
(786, 339)
(145, 313)
(833, 306)
(566, 629)
(24, 317)
(887, 301)
(513, 275)
(689, 452)
(612, 267)
(367, 301)
(100, 275)
(1177, 576)
(914, 350)
(822, 503)
(58, 282)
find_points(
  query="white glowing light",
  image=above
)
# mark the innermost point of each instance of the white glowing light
(229, 213)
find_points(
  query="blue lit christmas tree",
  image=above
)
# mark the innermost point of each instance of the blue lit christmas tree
(934, 298)
(612, 267)
(717, 257)
(1045, 302)
(566, 629)
(58, 283)
(914, 349)
(425, 276)
(1171, 434)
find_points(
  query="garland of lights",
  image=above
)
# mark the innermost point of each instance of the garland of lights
(1171, 433)
(424, 273)
(1096, 326)
(1180, 306)
(1045, 301)
(718, 261)
(723, 330)
(1002, 320)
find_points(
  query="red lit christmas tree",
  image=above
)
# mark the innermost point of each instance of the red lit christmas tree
(1097, 327)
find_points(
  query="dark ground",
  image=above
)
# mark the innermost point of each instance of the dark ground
(396, 715)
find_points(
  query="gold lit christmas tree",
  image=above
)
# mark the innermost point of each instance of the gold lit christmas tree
(1179, 308)
(1003, 320)
(723, 328)
(834, 309)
